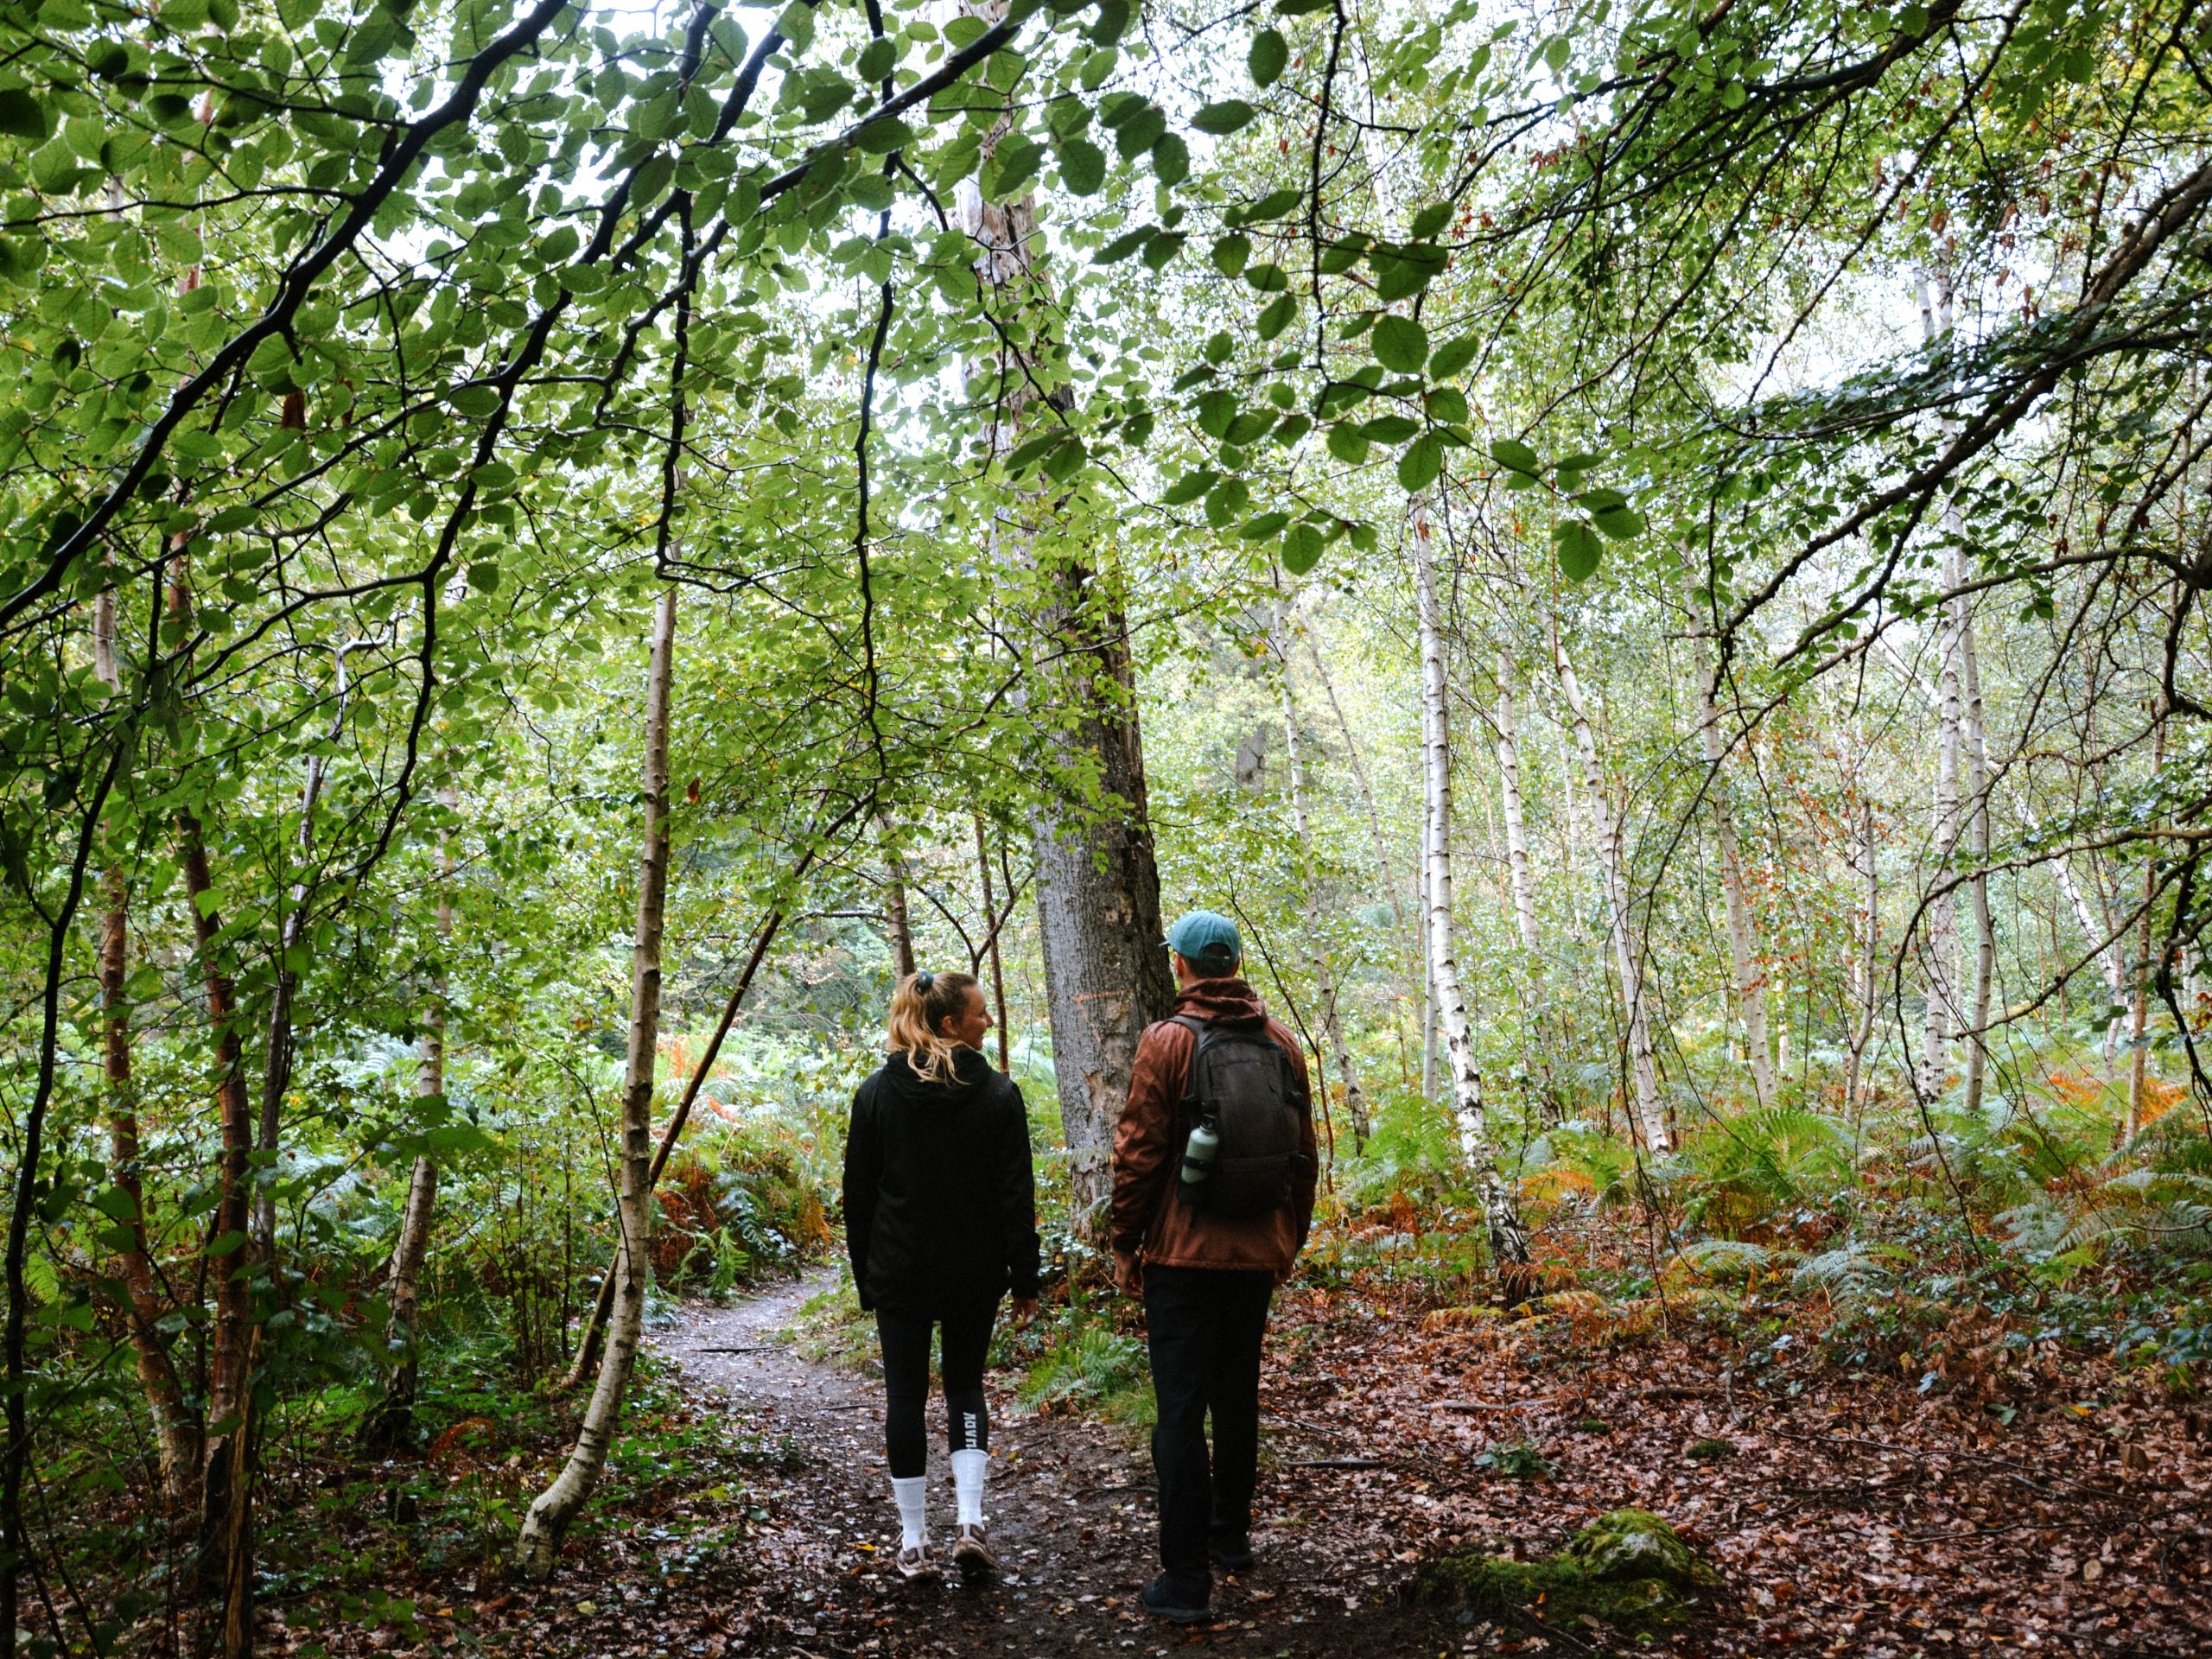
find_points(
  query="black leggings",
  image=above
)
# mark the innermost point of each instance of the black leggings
(905, 1340)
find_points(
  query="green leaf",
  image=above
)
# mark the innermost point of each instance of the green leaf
(1273, 205)
(1419, 465)
(1217, 408)
(876, 59)
(1301, 548)
(1515, 457)
(1231, 252)
(881, 136)
(1580, 548)
(22, 115)
(1171, 159)
(1300, 8)
(1013, 165)
(1225, 116)
(1348, 444)
(1162, 248)
(1191, 486)
(1264, 527)
(1620, 523)
(1400, 344)
(1125, 245)
(1277, 317)
(1431, 219)
(1083, 167)
(1269, 56)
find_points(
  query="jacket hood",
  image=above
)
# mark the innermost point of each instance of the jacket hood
(973, 1075)
(1220, 999)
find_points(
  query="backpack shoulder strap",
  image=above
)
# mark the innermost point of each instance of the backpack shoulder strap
(1197, 1028)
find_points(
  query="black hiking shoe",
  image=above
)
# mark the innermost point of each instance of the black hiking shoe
(1232, 1551)
(1164, 1597)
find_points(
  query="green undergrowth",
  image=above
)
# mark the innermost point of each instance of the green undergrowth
(1627, 1569)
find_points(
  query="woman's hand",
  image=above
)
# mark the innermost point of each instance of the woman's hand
(1025, 1308)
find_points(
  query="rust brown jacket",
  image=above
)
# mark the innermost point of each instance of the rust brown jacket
(1148, 1219)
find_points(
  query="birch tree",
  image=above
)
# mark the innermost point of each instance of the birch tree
(558, 1505)
(1750, 983)
(1646, 1119)
(1508, 1237)
(1324, 979)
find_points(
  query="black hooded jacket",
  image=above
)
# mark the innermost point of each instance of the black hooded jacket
(940, 1208)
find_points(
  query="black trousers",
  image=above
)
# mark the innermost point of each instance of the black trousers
(1205, 1326)
(906, 1338)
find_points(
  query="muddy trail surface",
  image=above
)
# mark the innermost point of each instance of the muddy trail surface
(1070, 1513)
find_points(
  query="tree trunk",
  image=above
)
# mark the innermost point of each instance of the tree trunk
(897, 922)
(558, 1504)
(2109, 965)
(2138, 1008)
(1106, 975)
(1324, 980)
(1942, 1014)
(176, 1431)
(1975, 746)
(1742, 940)
(1869, 940)
(1509, 1238)
(392, 1424)
(1383, 874)
(1520, 871)
(1646, 1119)
(992, 922)
(226, 1462)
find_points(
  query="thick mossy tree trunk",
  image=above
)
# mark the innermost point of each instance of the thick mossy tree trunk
(557, 1505)
(1106, 975)
(1508, 1237)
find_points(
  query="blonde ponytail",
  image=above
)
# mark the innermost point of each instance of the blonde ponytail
(919, 1007)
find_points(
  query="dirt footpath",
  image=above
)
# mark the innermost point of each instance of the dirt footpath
(1069, 1508)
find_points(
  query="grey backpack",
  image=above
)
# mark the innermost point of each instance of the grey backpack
(1243, 1084)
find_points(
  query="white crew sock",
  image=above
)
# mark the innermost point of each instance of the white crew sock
(913, 1530)
(967, 1469)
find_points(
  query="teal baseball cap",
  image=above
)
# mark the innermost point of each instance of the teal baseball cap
(1208, 939)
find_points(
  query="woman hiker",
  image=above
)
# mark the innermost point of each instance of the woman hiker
(940, 1222)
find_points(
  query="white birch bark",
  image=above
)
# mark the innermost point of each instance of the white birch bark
(2138, 1007)
(1941, 1013)
(559, 1504)
(1867, 933)
(1324, 979)
(1647, 1121)
(1750, 985)
(1509, 1238)
(1976, 754)
(1520, 871)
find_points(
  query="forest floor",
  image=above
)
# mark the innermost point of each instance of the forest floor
(749, 1512)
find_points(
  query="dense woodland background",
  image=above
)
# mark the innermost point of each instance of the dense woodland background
(1650, 554)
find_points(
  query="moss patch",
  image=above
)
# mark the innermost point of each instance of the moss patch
(1627, 1569)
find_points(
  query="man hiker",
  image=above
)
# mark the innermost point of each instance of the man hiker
(1213, 1192)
